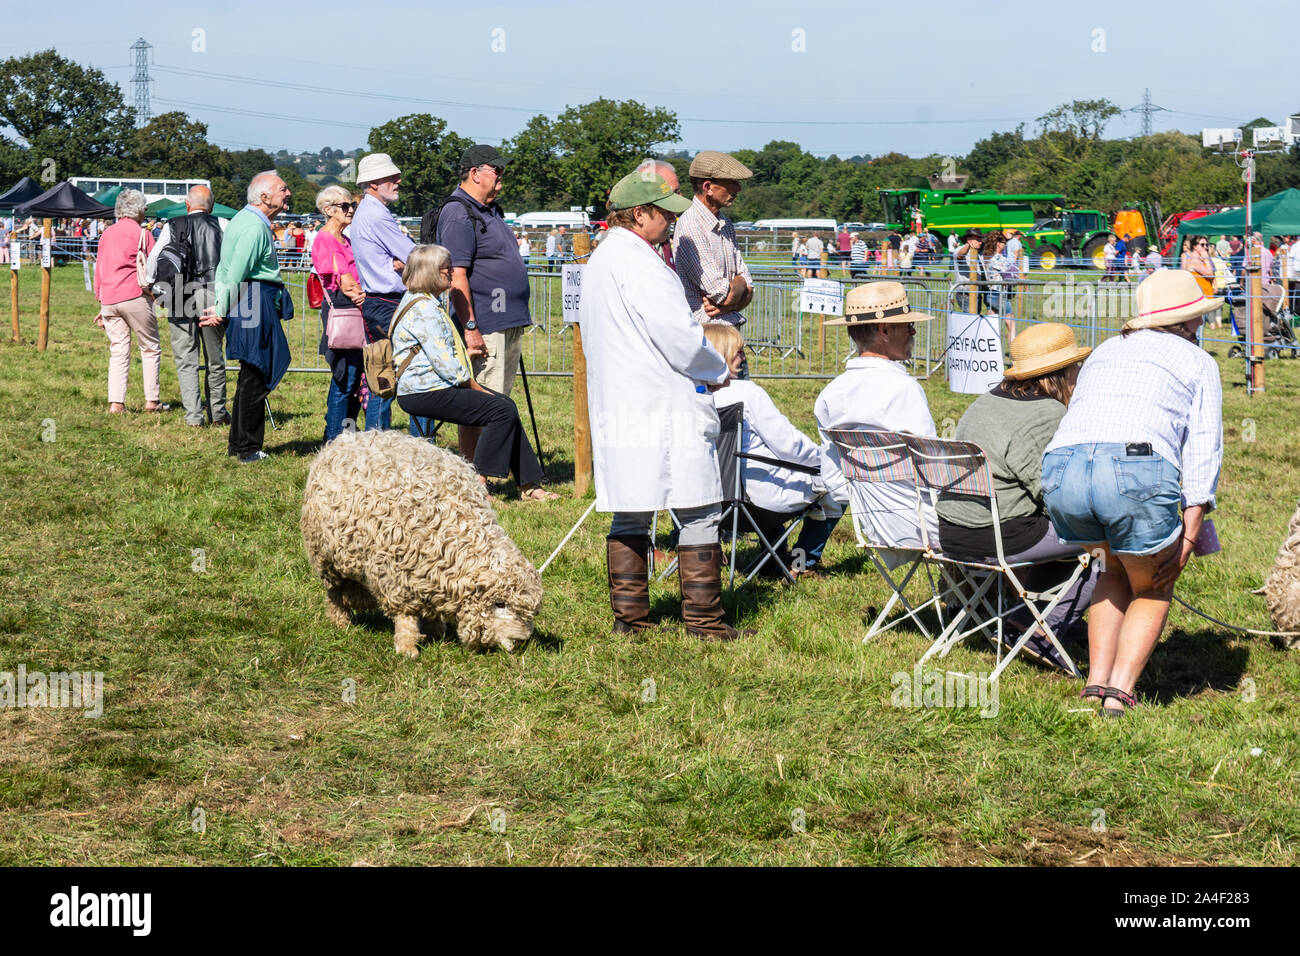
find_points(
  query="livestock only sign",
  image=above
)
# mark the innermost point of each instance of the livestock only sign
(822, 296)
(974, 352)
(571, 291)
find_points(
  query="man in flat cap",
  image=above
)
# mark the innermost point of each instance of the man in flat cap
(653, 424)
(715, 277)
(876, 392)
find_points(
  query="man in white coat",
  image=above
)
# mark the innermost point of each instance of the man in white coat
(875, 392)
(653, 426)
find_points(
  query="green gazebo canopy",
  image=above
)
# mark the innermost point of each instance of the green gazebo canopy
(1275, 215)
(172, 210)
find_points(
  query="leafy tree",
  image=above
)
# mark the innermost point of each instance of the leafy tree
(428, 155)
(65, 112)
(533, 180)
(171, 146)
(601, 142)
(230, 185)
(991, 154)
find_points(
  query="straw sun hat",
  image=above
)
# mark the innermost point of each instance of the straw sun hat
(1042, 348)
(1169, 297)
(878, 302)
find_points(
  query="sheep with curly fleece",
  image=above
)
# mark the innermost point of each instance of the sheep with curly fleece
(394, 522)
(1282, 589)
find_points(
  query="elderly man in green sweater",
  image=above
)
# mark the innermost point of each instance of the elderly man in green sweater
(252, 300)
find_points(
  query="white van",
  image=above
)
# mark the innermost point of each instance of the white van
(799, 225)
(549, 220)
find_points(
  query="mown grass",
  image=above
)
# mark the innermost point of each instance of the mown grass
(225, 688)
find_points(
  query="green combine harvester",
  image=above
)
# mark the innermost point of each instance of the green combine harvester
(1068, 234)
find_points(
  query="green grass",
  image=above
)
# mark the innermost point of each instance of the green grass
(224, 689)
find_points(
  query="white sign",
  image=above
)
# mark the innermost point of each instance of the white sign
(570, 291)
(46, 258)
(823, 296)
(974, 352)
(85, 273)
(15, 256)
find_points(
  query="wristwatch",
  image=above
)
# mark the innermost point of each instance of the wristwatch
(471, 326)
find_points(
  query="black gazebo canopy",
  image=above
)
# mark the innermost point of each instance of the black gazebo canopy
(64, 201)
(20, 192)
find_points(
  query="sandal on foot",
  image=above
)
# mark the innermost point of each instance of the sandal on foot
(1114, 693)
(1093, 692)
(537, 494)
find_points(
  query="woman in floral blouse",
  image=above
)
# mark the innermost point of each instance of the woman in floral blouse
(434, 379)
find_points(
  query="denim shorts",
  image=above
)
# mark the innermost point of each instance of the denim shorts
(1097, 493)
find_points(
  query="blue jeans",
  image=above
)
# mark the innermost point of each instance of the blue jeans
(1097, 492)
(342, 404)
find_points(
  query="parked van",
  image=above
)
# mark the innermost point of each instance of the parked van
(548, 220)
(800, 225)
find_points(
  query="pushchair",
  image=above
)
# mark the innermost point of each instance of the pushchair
(1279, 337)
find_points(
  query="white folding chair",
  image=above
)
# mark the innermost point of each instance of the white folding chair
(867, 456)
(960, 467)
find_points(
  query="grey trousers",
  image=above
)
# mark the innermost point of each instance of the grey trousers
(189, 345)
(699, 525)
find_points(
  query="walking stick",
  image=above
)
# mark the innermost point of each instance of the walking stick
(531, 417)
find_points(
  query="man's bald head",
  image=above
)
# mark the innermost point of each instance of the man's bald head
(199, 199)
(659, 167)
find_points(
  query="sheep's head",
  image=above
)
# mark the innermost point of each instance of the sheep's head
(502, 616)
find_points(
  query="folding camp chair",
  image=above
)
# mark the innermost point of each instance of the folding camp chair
(426, 428)
(868, 456)
(736, 503)
(960, 467)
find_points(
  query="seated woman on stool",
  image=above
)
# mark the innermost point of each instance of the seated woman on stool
(776, 494)
(436, 381)
(1013, 424)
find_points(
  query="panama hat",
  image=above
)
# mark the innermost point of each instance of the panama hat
(878, 302)
(1169, 297)
(1042, 348)
(376, 166)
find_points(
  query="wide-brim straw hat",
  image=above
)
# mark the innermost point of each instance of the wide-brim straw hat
(878, 302)
(1170, 297)
(1042, 348)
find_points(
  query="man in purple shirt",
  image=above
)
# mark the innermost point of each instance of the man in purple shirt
(381, 249)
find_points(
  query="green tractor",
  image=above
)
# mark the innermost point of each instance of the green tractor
(1070, 234)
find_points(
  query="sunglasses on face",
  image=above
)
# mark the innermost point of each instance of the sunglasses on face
(346, 206)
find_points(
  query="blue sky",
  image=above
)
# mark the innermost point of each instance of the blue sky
(836, 77)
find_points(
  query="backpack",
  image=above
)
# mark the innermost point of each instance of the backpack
(429, 222)
(377, 357)
(170, 269)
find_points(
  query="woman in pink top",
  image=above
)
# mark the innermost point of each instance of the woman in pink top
(123, 305)
(331, 257)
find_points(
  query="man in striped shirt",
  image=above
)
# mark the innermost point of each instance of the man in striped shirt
(714, 276)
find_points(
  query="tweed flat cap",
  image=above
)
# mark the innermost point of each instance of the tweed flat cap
(711, 164)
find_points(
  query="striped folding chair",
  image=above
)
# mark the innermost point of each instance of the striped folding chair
(868, 456)
(959, 467)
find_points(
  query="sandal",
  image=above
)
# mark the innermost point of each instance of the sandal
(116, 408)
(537, 494)
(1114, 693)
(1093, 692)
(157, 408)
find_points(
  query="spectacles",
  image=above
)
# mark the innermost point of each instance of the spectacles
(499, 170)
(345, 206)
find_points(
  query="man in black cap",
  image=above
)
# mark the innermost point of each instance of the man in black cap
(965, 262)
(489, 285)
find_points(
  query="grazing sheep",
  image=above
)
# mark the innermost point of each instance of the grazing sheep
(1282, 589)
(394, 522)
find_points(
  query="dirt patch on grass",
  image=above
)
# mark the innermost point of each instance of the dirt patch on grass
(1050, 843)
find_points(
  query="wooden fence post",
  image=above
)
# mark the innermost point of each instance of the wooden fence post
(973, 297)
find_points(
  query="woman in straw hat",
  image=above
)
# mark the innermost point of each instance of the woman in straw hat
(1013, 423)
(1143, 434)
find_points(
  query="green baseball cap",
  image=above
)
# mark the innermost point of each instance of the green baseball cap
(640, 189)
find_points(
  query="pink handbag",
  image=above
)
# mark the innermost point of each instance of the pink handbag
(345, 328)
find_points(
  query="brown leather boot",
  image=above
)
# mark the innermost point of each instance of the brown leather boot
(699, 570)
(629, 582)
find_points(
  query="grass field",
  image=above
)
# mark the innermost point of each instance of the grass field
(226, 737)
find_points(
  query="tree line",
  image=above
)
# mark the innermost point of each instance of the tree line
(70, 120)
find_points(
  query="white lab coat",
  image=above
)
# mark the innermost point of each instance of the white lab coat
(768, 433)
(878, 394)
(652, 433)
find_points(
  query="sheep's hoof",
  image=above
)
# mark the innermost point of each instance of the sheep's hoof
(338, 616)
(406, 635)
(411, 652)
